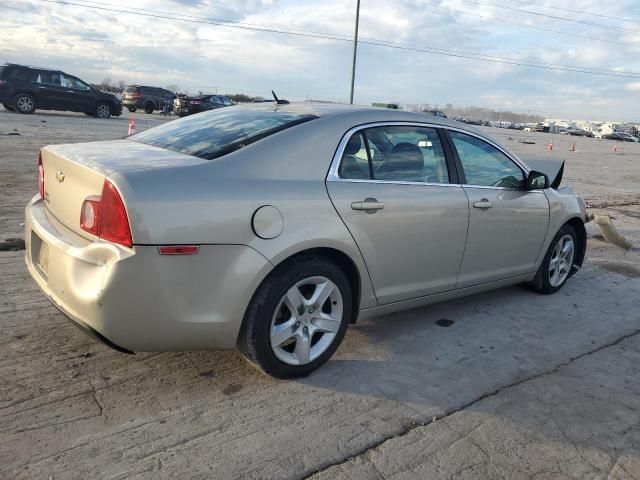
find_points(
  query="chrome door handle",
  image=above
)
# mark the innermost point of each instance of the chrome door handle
(369, 205)
(483, 204)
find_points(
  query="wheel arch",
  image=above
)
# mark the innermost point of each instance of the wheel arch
(337, 257)
(581, 234)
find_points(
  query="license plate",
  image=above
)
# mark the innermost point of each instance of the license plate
(43, 257)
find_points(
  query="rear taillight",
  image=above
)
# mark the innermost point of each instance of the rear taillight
(106, 217)
(195, 102)
(40, 176)
(136, 95)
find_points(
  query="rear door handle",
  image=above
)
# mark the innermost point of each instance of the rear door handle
(483, 204)
(369, 205)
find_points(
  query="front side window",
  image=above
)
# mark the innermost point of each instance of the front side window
(221, 131)
(73, 83)
(485, 165)
(395, 153)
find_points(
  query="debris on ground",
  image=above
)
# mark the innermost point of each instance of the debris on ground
(609, 232)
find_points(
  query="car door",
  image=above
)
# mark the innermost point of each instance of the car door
(397, 193)
(49, 90)
(507, 223)
(78, 95)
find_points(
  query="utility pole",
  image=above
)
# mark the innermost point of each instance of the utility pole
(355, 52)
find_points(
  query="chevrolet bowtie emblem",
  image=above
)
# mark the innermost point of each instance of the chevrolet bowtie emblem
(60, 176)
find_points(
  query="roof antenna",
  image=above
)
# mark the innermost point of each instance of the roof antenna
(277, 100)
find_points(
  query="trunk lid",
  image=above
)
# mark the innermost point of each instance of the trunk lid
(74, 172)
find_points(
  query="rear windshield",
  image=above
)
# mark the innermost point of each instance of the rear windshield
(215, 133)
(131, 90)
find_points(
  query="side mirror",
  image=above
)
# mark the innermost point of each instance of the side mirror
(537, 181)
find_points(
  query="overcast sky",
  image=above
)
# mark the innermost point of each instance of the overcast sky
(94, 44)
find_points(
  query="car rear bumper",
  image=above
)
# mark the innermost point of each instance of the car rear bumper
(135, 299)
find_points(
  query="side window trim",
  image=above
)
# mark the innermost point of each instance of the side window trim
(333, 175)
(367, 149)
(461, 175)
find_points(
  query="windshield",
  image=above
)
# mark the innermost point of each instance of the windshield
(218, 132)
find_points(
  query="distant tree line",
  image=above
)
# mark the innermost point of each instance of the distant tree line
(476, 113)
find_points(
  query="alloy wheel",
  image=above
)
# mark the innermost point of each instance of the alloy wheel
(561, 260)
(306, 320)
(103, 111)
(24, 104)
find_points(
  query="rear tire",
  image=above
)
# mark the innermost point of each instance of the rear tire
(24, 103)
(297, 317)
(557, 265)
(148, 108)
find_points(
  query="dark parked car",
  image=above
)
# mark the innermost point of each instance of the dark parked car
(618, 137)
(24, 89)
(184, 105)
(146, 98)
(437, 113)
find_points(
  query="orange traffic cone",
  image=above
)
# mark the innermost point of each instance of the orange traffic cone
(573, 147)
(132, 126)
(550, 146)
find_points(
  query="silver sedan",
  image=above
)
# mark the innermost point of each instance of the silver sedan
(274, 227)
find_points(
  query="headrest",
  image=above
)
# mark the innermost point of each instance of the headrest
(353, 145)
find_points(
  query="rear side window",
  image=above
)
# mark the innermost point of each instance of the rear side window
(47, 78)
(218, 132)
(20, 74)
(395, 154)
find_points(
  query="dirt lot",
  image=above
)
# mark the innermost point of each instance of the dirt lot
(520, 386)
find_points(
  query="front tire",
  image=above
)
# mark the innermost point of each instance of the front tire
(297, 317)
(132, 109)
(103, 110)
(24, 103)
(148, 108)
(557, 265)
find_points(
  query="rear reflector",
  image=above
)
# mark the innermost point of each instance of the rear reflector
(179, 249)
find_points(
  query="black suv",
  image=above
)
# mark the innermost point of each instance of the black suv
(23, 89)
(147, 98)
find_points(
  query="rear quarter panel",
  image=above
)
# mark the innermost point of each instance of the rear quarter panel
(214, 202)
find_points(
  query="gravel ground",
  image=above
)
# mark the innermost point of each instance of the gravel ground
(519, 386)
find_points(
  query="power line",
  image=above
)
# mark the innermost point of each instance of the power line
(557, 17)
(593, 14)
(511, 22)
(369, 41)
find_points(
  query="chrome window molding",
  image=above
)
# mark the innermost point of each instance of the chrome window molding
(332, 175)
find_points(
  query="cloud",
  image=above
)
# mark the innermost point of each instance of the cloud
(94, 44)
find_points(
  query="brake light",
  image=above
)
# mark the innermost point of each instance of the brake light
(40, 176)
(106, 217)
